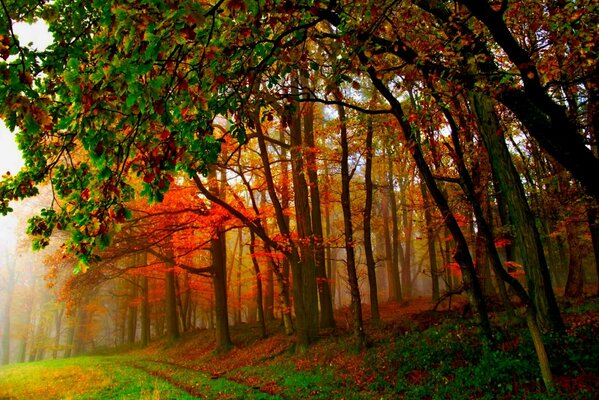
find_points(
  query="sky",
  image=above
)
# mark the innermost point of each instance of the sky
(35, 36)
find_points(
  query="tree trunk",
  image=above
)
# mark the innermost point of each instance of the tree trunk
(145, 310)
(575, 283)
(526, 235)
(329, 257)
(132, 313)
(238, 306)
(304, 283)
(406, 263)
(259, 301)
(69, 345)
(370, 263)
(430, 241)
(218, 249)
(352, 276)
(394, 283)
(327, 319)
(269, 293)
(281, 218)
(170, 304)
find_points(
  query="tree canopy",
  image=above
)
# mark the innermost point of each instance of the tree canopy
(126, 96)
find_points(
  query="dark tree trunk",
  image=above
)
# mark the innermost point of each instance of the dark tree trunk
(145, 311)
(406, 263)
(269, 293)
(352, 276)
(259, 301)
(330, 270)
(327, 319)
(394, 283)
(575, 283)
(238, 307)
(305, 291)
(170, 304)
(218, 250)
(370, 263)
(430, 241)
(282, 220)
(526, 235)
(391, 272)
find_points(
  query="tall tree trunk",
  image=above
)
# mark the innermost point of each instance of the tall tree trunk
(269, 293)
(259, 301)
(406, 263)
(370, 263)
(283, 222)
(145, 309)
(327, 217)
(352, 276)
(70, 342)
(218, 250)
(526, 235)
(327, 319)
(237, 314)
(430, 241)
(132, 312)
(484, 235)
(305, 287)
(170, 304)
(575, 283)
(394, 283)
(391, 272)
(282, 219)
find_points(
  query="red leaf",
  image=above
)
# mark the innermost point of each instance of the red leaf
(85, 194)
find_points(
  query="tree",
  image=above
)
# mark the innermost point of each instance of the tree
(130, 98)
(352, 276)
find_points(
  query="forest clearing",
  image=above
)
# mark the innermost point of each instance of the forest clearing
(299, 199)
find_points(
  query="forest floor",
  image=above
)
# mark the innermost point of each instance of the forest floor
(414, 353)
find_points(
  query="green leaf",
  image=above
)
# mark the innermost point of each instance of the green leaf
(105, 240)
(131, 100)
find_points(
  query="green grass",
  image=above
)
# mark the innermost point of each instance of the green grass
(83, 378)
(207, 385)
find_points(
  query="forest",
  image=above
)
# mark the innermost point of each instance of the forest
(300, 199)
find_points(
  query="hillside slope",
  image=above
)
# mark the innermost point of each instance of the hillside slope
(413, 354)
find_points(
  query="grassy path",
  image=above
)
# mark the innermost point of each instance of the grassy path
(197, 383)
(116, 378)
